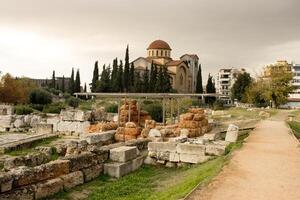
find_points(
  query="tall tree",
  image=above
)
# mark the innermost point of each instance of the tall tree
(85, 89)
(77, 86)
(145, 81)
(126, 71)
(238, 89)
(138, 84)
(114, 76)
(153, 77)
(63, 84)
(160, 81)
(120, 77)
(53, 84)
(131, 78)
(210, 89)
(72, 82)
(103, 84)
(95, 77)
(167, 87)
(199, 86)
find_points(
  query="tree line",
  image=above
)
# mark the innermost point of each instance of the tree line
(125, 78)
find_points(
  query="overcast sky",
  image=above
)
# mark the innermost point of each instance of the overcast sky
(38, 36)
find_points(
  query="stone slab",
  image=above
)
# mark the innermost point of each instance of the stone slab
(185, 148)
(162, 146)
(137, 162)
(23, 193)
(92, 172)
(193, 158)
(81, 161)
(48, 188)
(215, 150)
(6, 180)
(93, 138)
(71, 180)
(117, 170)
(123, 153)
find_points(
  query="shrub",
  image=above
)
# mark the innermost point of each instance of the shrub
(54, 108)
(218, 105)
(73, 102)
(23, 110)
(112, 108)
(146, 102)
(155, 111)
(38, 107)
(40, 96)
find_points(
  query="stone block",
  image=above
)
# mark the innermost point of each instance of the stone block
(48, 188)
(149, 161)
(81, 161)
(92, 172)
(193, 158)
(154, 133)
(19, 122)
(163, 155)
(170, 164)
(196, 149)
(232, 133)
(25, 175)
(43, 128)
(93, 138)
(71, 180)
(137, 162)
(117, 170)
(162, 146)
(5, 121)
(123, 154)
(210, 136)
(23, 193)
(215, 150)
(174, 157)
(73, 126)
(6, 180)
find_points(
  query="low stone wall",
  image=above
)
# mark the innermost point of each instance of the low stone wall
(44, 128)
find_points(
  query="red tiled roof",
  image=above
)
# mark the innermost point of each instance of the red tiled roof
(159, 44)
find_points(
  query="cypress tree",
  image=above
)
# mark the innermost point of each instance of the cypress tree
(120, 77)
(210, 88)
(72, 82)
(53, 84)
(104, 83)
(84, 90)
(95, 77)
(160, 81)
(63, 84)
(199, 87)
(145, 81)
(138, 84)
(131, 78)
(167, 87)
(77, 82)
(114, 76)
(153, 78)
(126, 71)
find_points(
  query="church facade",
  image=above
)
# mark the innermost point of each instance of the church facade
(183, 72)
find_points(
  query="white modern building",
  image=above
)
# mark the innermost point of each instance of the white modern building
(226, 77)
(294, 97)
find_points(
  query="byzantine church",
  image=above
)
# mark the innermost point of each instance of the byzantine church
(183, 72)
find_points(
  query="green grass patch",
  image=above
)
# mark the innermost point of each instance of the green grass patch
(26, 150)
(295, 126)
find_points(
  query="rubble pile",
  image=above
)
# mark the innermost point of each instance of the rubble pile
(129, 132)
(102, 126)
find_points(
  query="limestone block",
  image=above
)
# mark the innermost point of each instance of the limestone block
(154, 133)
(5, 121)
(196, 149)
(93, 138)
(210, 136)
(149, 161)
(92, 172)
(145, 132)
(35, 119)
(184, 132)
(130, 125)
(79, 115)
(232, 133)
(53, 169)
(137, 162)
(162, 146)
(117, 170)
(178, 139)
(23, 193)
(6, 180)
(43, 128)
(162, 155)
(54, 121)
(170, 164)
(193, 158)
(73, 126)
(19, 122)
(123, 154)
(48, 188)
(174, 157)
(73, 179)
(150, 124)
(83, 160)
(215, 150)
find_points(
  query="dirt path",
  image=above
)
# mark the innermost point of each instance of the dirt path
(267, 167)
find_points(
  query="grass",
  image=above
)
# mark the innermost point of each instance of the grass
(154, 182)
(26, 150)
(295, 126)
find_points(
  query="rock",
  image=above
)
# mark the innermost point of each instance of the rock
(154, 133)
(130, 125)
(43, 128)
(92, 172)
(23, 193)
(186, 116)
(117, 170)
(170, 164)
(184, 132)
(73, 126)
(215, 150)
(123, 154)
(73, 179)
(45, 150)
(210, 136)
(137, 162)
(48, 188)
(6, 180)
(149, 161)
(19, 122)
(174, 157)
(81, 161)
(162, 146)
(132, 131)
(196, 110)
(145, 132)
(93, 138)
(232, 133)
(35, 119)
(193, 158)
(150, 124)
(196, 149)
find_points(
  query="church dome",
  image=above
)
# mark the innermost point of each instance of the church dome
(159, 44)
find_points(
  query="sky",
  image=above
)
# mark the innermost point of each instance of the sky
(39, 36)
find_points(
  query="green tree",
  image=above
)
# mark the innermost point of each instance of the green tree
(95, 77)
(40, 96)
(238, 89)
(126, 77)
(85, 89)
(167, 87)
(199, 86)
(138, 84)
(77, 87)
(145, 81)
(103, 84)
(159, 87)
(153, 77)
(63, 89)
(114, 76)
(120, 77)
(72, 82)
(131, 78)
(210, 89)
(53, 84)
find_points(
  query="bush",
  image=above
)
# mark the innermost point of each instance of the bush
(40, 96)
(113, 108)
(218, 105)
(38, 107)
(23, 110)
(147, 102)
(54, 108)
(73, 102)
(155, 110)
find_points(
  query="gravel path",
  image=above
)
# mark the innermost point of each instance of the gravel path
(267, 167)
